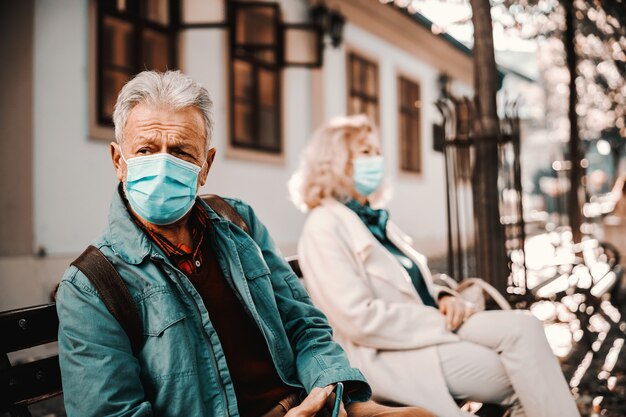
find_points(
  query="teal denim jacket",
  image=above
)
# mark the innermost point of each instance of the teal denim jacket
(181, 369)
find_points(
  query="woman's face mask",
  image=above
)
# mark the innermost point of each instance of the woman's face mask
(367, 173)
(161, 188)
(368, 167)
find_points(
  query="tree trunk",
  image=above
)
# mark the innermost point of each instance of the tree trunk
(490, 242)
(573, 199)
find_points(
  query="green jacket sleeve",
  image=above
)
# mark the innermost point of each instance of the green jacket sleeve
(320, 360)
(100, 375)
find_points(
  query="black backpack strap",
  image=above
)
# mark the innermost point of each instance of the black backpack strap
(225, 210)
(114, 293)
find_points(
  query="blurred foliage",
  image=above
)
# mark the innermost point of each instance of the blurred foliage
(600, 44)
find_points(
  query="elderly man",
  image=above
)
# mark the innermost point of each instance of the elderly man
(227, 328)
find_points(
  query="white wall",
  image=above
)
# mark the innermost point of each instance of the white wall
(74, 179)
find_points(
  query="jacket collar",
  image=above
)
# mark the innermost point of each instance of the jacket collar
(361, 239)
(127, 239)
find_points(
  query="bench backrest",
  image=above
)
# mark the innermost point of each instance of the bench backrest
(28, 383)
(293, 263)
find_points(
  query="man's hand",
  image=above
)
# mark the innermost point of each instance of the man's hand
(455, 310)
(315, 402)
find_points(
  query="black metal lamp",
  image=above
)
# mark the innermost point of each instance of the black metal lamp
(331, 22)
(336, 21)
(319, 16)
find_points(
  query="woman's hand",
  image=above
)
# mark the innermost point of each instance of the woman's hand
(314, 402)
(455, 310)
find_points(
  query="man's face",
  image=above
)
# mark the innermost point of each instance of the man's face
(150, 130)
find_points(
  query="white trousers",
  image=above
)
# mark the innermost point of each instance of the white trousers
(504, 358)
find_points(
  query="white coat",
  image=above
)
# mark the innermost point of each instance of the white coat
(373, 306)
(403, 347)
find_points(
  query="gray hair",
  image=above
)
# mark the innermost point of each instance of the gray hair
(172, 89)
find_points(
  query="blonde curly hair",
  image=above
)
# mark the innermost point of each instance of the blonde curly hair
(323, 171)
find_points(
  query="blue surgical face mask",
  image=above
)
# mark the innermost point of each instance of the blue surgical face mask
(161, 188)
(368, 173)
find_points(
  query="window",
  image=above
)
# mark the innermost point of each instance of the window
(409, 124)
(362, 86)
(132, 36)
(255, 77)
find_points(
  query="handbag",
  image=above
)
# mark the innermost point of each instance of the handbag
(474, 290)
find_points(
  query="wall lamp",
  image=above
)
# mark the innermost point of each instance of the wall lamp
(330, 21)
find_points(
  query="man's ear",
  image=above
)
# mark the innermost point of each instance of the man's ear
(118, 162)
(210, 157)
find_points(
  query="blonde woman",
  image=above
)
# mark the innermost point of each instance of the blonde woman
(417, 343)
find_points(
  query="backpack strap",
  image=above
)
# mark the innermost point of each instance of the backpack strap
(225, 210)
(114, 293)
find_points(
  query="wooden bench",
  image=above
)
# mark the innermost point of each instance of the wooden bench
(24, 384)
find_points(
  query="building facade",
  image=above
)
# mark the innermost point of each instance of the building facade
(387, 65)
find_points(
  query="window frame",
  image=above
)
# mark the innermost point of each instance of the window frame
(411, 112)
(101, 126)
(255, 150)
(365, 97)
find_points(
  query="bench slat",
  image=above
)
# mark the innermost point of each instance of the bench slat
(30, 382)
(28, 327)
